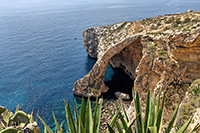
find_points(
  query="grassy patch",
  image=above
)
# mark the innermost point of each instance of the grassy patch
(152, 48)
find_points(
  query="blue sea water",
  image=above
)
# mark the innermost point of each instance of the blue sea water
(39, 58)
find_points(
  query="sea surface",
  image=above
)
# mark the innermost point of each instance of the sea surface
(39, 58)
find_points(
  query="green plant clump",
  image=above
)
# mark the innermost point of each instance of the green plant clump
(156, 33)
(152, 122)
(162, 54)
(15, 123)
(196, 91)
(83, 123)
(152, 48)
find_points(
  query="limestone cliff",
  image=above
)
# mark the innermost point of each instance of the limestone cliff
(154, 52)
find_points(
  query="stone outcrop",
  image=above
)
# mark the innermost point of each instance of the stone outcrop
(154, 52)
(122, 96)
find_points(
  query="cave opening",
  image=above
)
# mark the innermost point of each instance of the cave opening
(117, 81)
(120, 73)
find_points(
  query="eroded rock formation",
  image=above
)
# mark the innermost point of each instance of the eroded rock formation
(155, 52)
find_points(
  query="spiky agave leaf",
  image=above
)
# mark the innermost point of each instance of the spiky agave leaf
(129, 128)
(152, 129)
(185, 126)
(139, 123)
(125, 115)
(119, 126)
(114, 118)
(82, 117)
(97, 116)
(157, 109)
(88, 122)
(123, 121)
(69, 117)
(160, 116)
(110, 129)
(59, 130)
(147, 112)
(172, 120)
(153, 115)
(46, 127)
(76, 116)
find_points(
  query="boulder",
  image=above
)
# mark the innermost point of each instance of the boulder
(121, 95)
(190, 10)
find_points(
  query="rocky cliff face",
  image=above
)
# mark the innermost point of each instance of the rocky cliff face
(155, 52)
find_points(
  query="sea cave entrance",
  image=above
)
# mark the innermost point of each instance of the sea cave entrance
(121, 77)
(117, 80)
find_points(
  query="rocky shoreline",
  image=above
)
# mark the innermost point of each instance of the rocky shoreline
(154, 52)
(160, 53)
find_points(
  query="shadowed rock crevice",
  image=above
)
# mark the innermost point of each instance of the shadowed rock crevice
(124, 64)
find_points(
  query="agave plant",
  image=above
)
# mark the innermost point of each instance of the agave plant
(19, 122)
(83, 123)
(124, 125)
(152, 122)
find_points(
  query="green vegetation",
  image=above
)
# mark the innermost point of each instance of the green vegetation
(186, 29)
(187, 20)
(122, 26)
(178, 21)
(162, 54)
(196, 20)
(149, 21)
(88, 122)
(152, 122)
(93, 90)
(196, 90)
(196, 83)
(83, 123)
(190, 104)
(156, 33)
(188, 109)
(152, 48)
(15, 123)
(170, 20)
(175, 25)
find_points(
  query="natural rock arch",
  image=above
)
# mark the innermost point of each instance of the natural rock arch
(92, 84)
